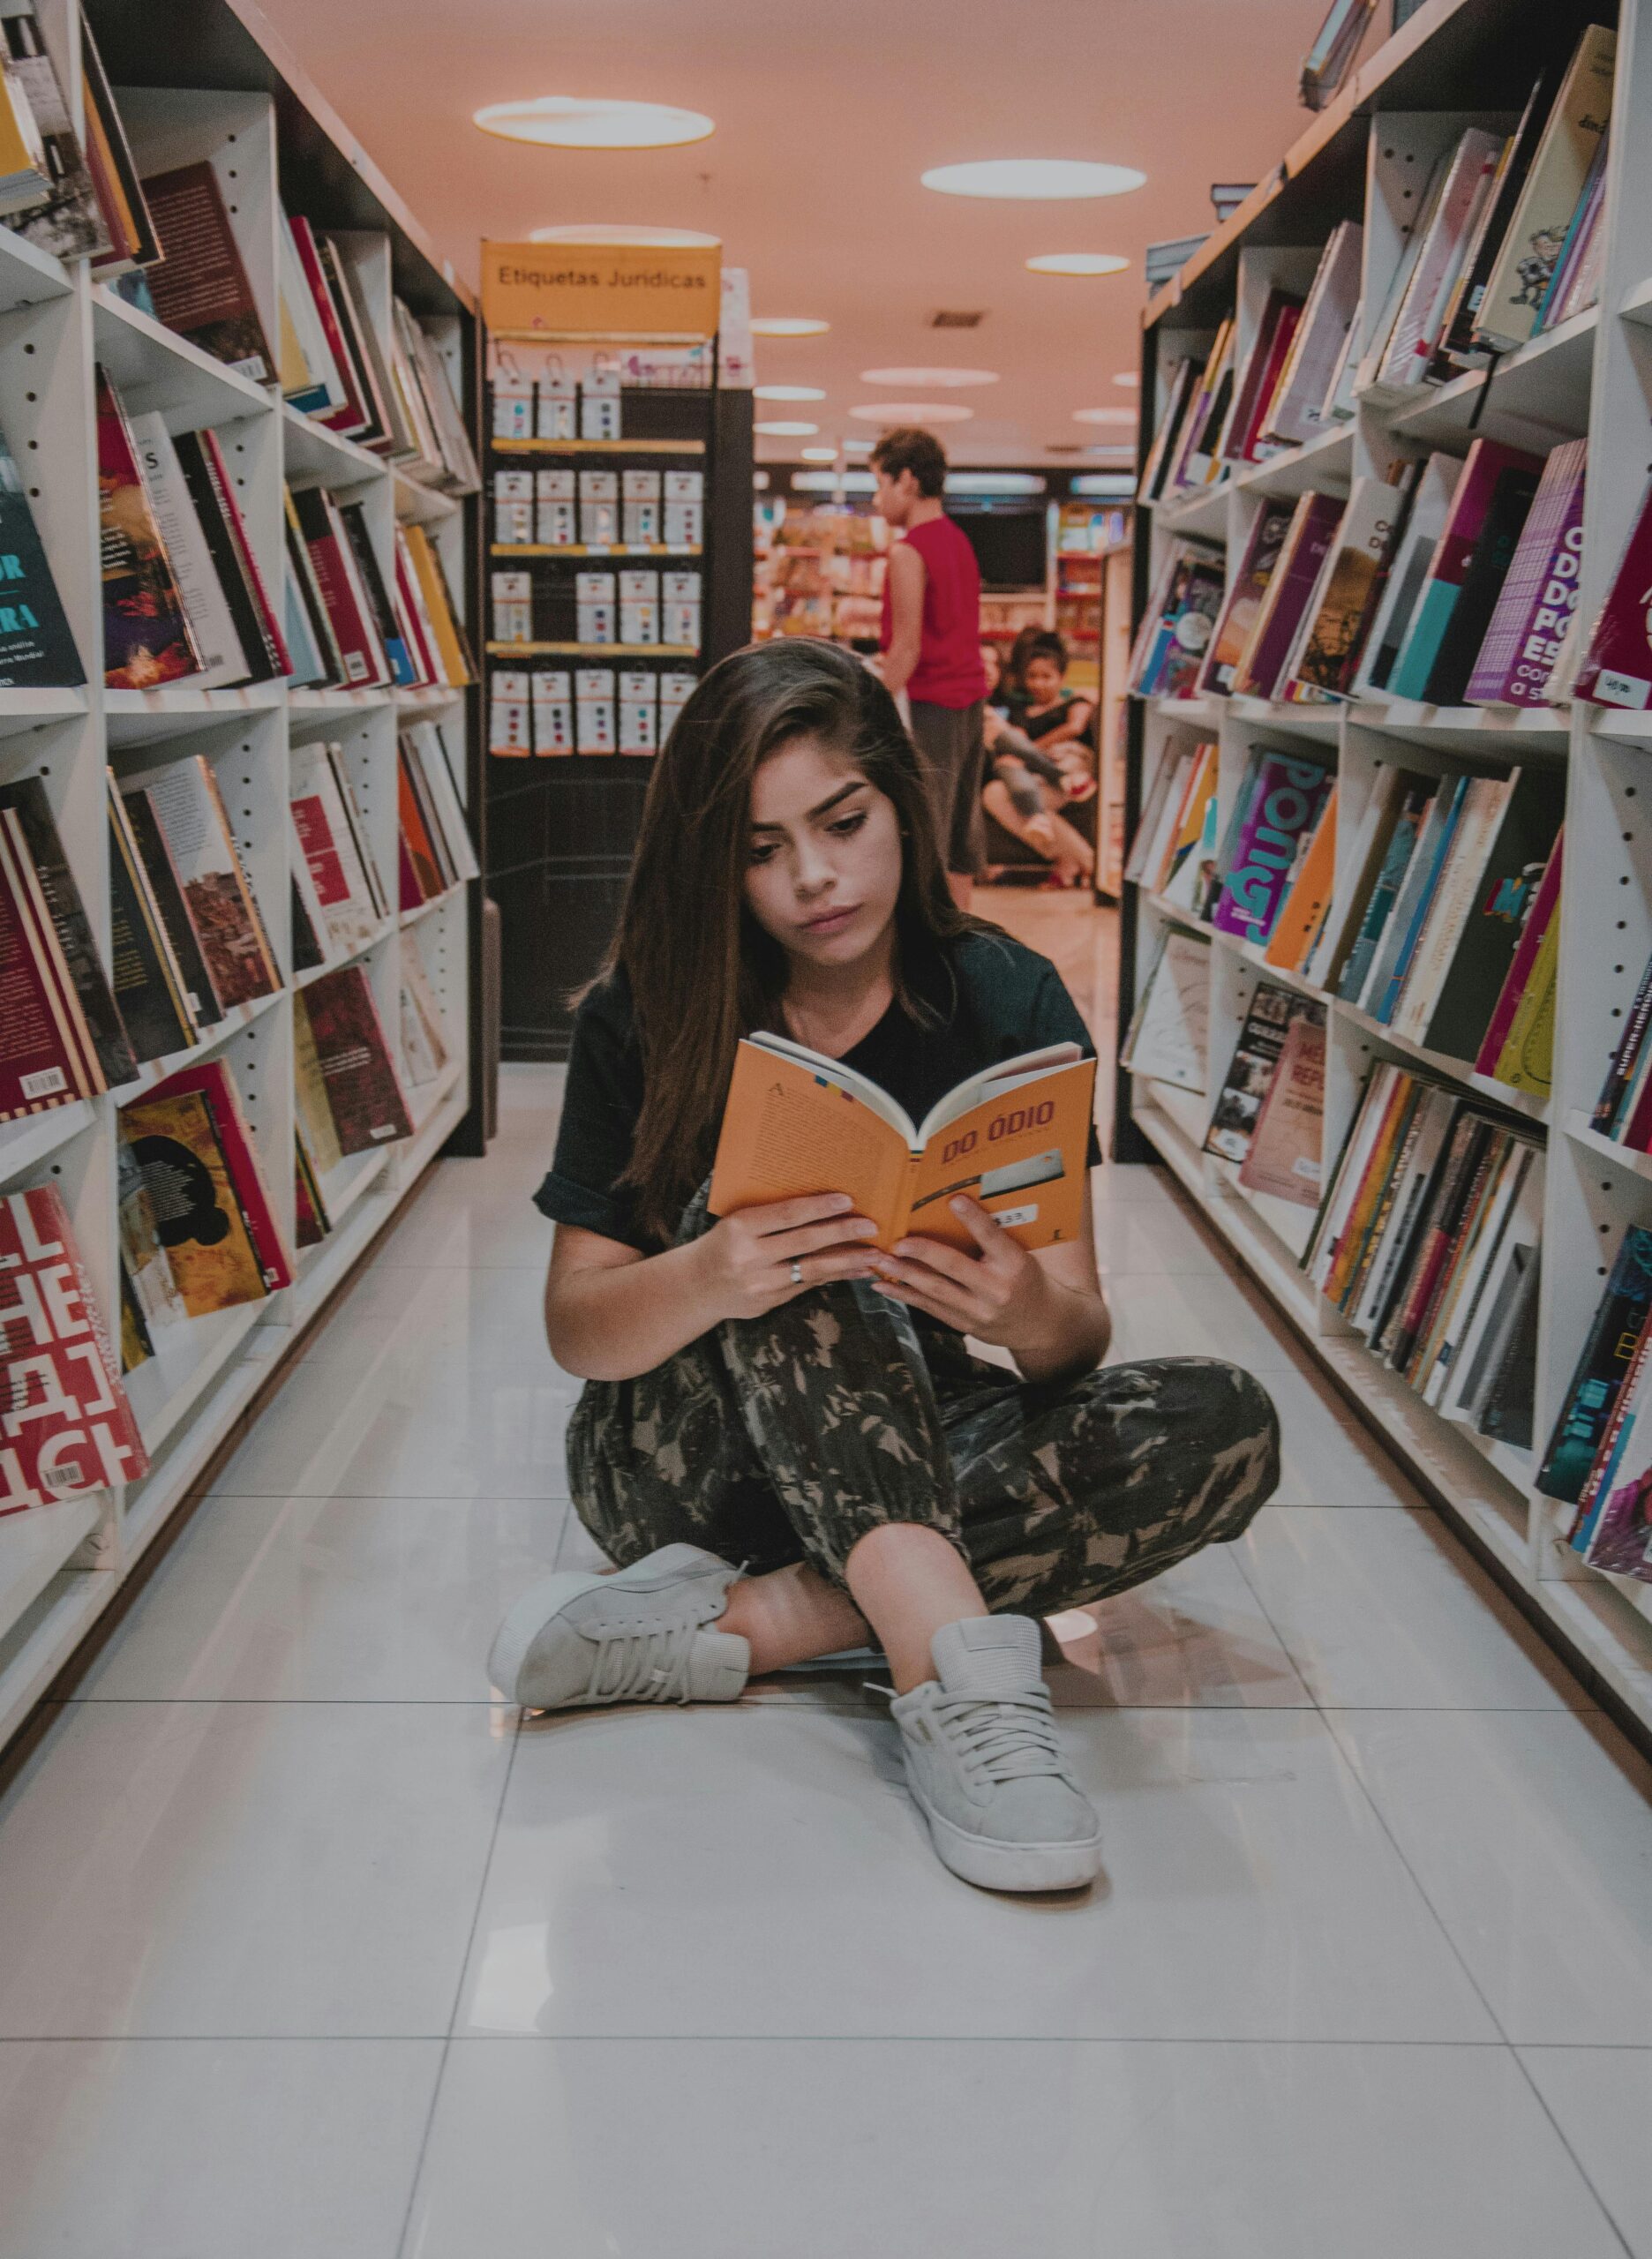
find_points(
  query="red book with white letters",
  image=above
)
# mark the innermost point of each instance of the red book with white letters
(65, 1424)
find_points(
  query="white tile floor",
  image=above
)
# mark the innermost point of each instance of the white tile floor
(307, 1951)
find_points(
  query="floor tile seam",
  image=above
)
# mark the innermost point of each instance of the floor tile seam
(448, 2041)
(1381, 1817)
(453, 2014)
(1578, 2165)
(740, 1708)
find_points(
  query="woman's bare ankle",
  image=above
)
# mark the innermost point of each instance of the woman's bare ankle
(791, 1616)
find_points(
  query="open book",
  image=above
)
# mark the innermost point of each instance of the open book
(1016, 1137)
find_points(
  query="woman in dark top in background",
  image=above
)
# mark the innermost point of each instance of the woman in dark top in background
(770, 1390)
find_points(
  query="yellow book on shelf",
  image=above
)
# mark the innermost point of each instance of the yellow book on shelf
(1306, 904)
(433, 587)
(22, 158)
(1526, 1060)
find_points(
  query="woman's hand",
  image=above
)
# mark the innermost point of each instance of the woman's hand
(993, 1294)
(747, 1257)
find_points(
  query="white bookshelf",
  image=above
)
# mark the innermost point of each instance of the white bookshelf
(61, 1565)
(1366, 159)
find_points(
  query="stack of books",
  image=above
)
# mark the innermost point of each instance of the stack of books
(1427, 1242)
(435, 853)
(1623, 1110)
(1176, 626)
(1599, 1459)
(348, 1092)
(350, 628)
(389, 393)
(1269, 1115)
(184, 599)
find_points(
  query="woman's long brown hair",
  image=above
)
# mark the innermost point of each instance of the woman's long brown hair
(703, 972)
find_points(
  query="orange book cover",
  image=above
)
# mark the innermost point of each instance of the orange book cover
(1309, 896)
(1378, 1167)
(1016, 1137)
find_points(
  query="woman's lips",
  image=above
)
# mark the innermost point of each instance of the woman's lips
(831, 921)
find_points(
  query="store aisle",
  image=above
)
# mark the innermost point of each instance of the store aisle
(307, 1951)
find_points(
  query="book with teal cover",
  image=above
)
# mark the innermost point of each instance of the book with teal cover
(1471, 500)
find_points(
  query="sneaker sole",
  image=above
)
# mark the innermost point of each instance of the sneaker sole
(992, 1865)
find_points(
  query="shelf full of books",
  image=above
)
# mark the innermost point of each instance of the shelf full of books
(236, 864)
(1387, 971)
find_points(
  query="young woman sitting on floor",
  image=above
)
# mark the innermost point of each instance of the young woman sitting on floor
(784, 1440)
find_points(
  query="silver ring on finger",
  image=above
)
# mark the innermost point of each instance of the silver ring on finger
(797, 1272)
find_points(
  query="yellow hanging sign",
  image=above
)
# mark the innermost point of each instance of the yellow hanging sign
(600, 290)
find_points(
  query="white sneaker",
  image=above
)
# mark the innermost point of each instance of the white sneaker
(578, 1639)
(983, 1763)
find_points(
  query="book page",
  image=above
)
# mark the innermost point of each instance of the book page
(787, 1131)
(1022, 1152)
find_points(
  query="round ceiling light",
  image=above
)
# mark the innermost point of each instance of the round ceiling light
(571, 121)
(1104, 415)
(911, 411)
(648, 238)
(786, 431)
(1130, 378)
(1041, 179)
(923, 379)
(788, 326)
(787, 391)
(1078, 262)
(818, 455)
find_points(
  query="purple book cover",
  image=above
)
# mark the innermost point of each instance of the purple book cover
(1540, 592)
(1301, 565)
(1285, 802)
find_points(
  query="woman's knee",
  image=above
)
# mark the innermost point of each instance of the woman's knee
(1241, 1436)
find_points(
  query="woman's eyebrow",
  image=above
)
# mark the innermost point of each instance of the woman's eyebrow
(825, 806)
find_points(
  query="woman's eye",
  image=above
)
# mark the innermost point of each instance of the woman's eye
(849, 823)
(763, 854)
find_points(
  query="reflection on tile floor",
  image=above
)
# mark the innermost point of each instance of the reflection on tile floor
(310, 1949)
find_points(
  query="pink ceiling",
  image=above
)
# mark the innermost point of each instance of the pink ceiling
(826, 115)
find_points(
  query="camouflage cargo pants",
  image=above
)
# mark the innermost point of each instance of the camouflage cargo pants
(786, 1438)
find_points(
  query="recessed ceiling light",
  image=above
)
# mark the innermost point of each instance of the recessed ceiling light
(911, 411)
(1130, 379)
(1041, 178)
(1120, 448)
(787, 431)
(787, 391)
(788, 326)
(1104, 415)
(652, 238)
(859, 446)
(571, 121)
(1078, 262)
(818, 455)
(921, 380)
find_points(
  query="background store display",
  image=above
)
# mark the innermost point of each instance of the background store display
(610, 587)
(1423, 513)
(275, 460)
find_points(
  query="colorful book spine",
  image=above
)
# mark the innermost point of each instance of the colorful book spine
(1453, 554)
(1287, 802)
(1294, 581)
(1539, 592)
(1609, 1351)
(1617, 668)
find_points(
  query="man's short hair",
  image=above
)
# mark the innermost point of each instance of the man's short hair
(908, 448)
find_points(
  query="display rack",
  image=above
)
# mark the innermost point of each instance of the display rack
(1365, 159)
(820, 569)
(565, 828)
(211, 82)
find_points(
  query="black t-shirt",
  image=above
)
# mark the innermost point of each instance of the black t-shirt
(998, 998)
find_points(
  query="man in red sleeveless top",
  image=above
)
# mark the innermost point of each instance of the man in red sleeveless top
(931, 639)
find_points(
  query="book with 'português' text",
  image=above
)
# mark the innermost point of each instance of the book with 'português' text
(1016, 1137)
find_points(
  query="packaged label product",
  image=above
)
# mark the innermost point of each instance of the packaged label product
(680, 609)
(508, 713)
(554, 419)
(639, 607)
(512, 507)
(599, 506)
(599, 405)
(594, 710)
(513, 607)
(641, 497)
(552, 713)
(675, 690)
(556, 509)
(513, 405)
(639, 711)
(594, 606)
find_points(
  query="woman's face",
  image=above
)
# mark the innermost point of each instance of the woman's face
(824, 868)
(993, 665)
(1043, 680)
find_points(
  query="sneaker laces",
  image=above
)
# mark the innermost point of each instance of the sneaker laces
(1002, 1737)
(633, 1665)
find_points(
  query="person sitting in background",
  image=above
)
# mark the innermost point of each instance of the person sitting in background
(1028, 786)
(1056, 719)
